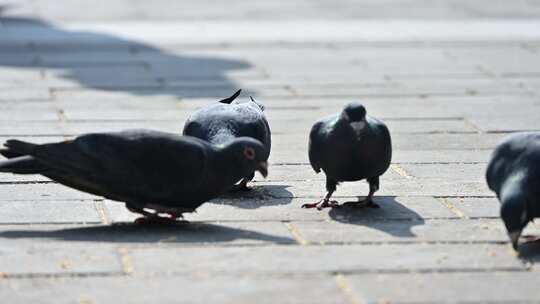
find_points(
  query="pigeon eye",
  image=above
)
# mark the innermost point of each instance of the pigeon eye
(249, 153)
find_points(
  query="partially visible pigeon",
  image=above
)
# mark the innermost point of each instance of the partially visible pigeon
(222, 122)
(513, 174)
(146, 169)
(350, 146)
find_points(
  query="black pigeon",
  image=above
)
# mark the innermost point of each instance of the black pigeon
(146, 169)
(222, 122)
(350, 146)
(513, 174)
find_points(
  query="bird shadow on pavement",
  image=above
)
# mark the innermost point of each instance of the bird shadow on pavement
(107, 62)
(258, 197)
(529, 252)
(180, 232)
(392, 217)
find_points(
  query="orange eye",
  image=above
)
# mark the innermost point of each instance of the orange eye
(249, 153)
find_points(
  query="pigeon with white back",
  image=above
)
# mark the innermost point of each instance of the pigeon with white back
(224, 121)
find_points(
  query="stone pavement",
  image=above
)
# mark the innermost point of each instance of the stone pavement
(450, 78)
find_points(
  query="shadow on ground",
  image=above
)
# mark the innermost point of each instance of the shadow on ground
(109, 63)
(257, 197)
(392, 217)
(529, 252)
(181, 232)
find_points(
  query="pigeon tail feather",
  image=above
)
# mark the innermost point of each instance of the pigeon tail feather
(18, 146)
(228, 100)
(8, 153)
(21, 165)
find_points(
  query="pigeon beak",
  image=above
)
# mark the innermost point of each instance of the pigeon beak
(514, 238)
(262, 167)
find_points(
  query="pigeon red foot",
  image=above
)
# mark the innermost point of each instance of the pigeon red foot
(320, 205)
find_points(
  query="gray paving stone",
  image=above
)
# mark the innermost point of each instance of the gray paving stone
(31, 128)
(41, 192)
(446, 288)
(476, 207)
(13, 179)
(28, 212)
(307, 259)
(28, 259)
(11, 94)
(346, 230)
(441, 156)
(448, 172)
(193, 289)
(511, 123)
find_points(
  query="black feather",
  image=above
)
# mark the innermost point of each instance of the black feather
(228, 100)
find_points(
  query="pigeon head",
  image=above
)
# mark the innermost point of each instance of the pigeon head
(248, 155)
(355, 115)
(514, 212)
(354, 112)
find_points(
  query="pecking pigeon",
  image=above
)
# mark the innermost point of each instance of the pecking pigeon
(167, 173)
(350, 146)
(222, 122)
(513, 173)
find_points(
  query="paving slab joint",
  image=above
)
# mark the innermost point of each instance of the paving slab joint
(452, 208)
(344, 285)
(102, 212)
(296, 234)
(126, 261)
(399, 170)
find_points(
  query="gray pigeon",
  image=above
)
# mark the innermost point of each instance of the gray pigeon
(350, 146)
(167, 173)
(513, 173)
(222, 122)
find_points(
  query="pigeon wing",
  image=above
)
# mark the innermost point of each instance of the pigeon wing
(145, 164)
(316, 146)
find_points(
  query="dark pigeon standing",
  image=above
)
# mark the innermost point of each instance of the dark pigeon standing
(513, 174)
(167, 173)
(350, 146)
(222, 122)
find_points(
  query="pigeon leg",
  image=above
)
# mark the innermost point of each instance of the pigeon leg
(153, 218)
(531, 238)
(368, 201)
(325, 202)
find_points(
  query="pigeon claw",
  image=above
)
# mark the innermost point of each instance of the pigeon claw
(320, 205)
(153, 220)
(328, 204)
(310, 206)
